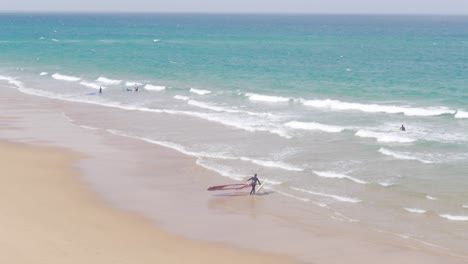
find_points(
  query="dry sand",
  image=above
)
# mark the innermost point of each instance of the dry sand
(48, 216)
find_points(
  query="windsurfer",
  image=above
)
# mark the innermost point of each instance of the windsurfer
(254, 183)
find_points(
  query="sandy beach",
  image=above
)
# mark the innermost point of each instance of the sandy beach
(48, 216)
(73, 194)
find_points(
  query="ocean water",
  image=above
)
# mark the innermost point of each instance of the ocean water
(313, 104)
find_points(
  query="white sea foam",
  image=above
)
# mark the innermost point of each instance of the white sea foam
(431, 198)
(455, 217)
(226, 109)
(465, 206)
(211, 107)
(108, 81)
(272, 164)
(240, 122)
(67, 78)
(11, 80)
(43, 73)
(383, 137)
(266, 98)
(331, 174)
(183, 150)
(415, 210)
(150, 87)
(375, 108)
(198, 91)
(335, 197)
(91, 85)
(181, 97)
(156, 40)
(55, 40)
(386, 184)
(129, 84)
(314, 126)
(421, 131)
(461, 114)
(402, 155)
(298, 198)
(236, 122)
(88, 127)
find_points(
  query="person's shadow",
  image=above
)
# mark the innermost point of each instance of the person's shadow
(240, 194)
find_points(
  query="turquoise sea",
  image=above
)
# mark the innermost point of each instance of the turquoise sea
(313, 103)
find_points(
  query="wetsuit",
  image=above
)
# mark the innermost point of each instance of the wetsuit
(255, 181)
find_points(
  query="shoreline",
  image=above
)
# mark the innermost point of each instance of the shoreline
(55, 218)
(238, 212)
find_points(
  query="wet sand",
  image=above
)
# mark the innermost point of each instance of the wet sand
(165, 206)
(48, 216)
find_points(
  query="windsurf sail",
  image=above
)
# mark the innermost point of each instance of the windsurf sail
(239, 186)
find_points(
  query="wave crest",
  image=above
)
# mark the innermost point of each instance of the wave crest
(266, 98)
(91, 85)
(454, 217)
(199, 91)
(314, 126)
(383, 137)
(375, 108)
(67, 78)
(461, 114)
(150, 87)
(415, 210)
(402, 155)
(108, 81)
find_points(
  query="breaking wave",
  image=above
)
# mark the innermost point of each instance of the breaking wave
(150, 87)
(181, 97)
(314, 126)
(91, 85)
(266, 98)
(454, 217)
(376, 108)
(402, 155)
(108, 81)
(383, 137)
(198, 91)
(415, 210)
(67, 78)
(461, 114)
(129, 84)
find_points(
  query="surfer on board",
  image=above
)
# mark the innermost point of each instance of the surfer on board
(254, 183)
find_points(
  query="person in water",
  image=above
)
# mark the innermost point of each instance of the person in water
(100, 89)
(255, 181)
(136, 88)
(402, 128)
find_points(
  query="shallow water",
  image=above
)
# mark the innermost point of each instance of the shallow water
(311, 103)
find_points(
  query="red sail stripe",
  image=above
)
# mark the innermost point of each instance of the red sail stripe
(229, 187)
